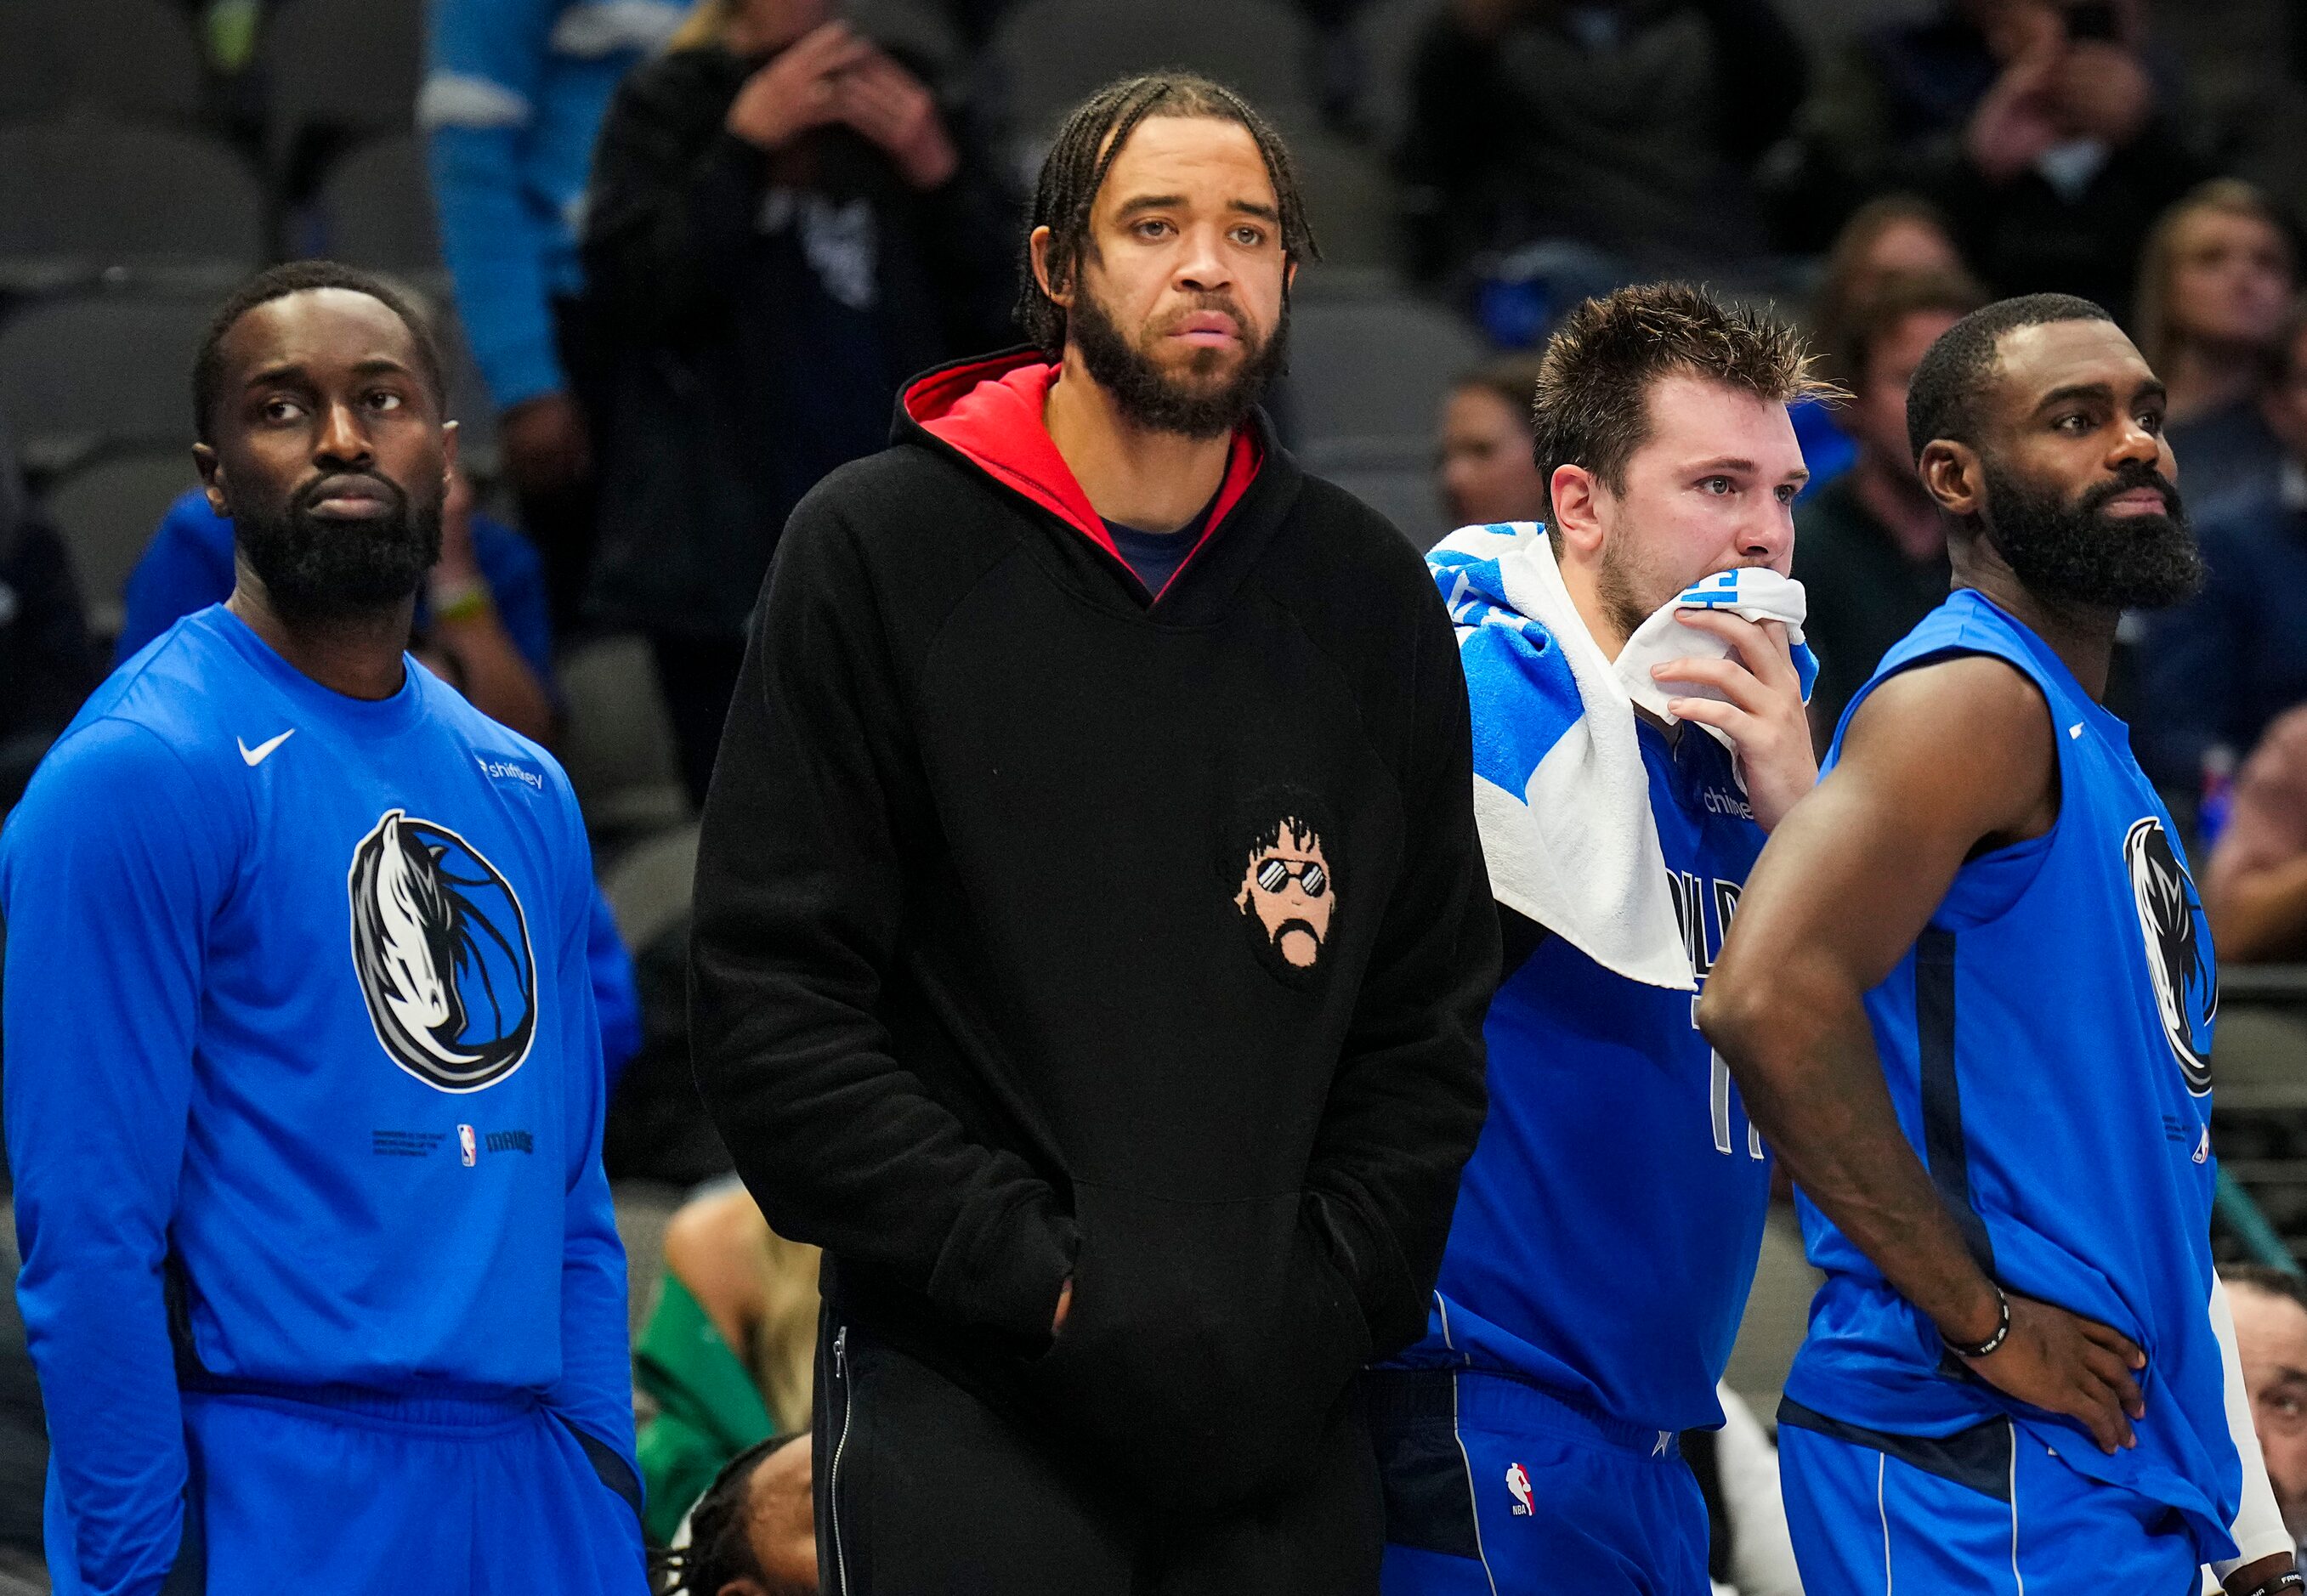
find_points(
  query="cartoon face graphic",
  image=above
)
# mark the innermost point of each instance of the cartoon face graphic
(1287, 894)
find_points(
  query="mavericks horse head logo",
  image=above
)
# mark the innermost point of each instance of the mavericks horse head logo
(2172, 923)
(440, 946)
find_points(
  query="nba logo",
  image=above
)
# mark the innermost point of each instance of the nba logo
(465, 1140)
(1518, 1482)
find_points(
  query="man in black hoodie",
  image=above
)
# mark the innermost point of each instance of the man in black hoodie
(1093, 939)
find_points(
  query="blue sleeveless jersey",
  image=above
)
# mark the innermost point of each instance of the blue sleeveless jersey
(2047, 1042)
(304, 1081)
(1610, 1219)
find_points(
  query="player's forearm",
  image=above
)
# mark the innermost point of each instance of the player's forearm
(1808, 1069)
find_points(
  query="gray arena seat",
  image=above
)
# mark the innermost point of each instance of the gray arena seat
(1047, 55)
(649, 886)
(1351, 199)
(1385, 35)
(617, 743)
(344, 67)
(87, 370)
(106, 512)
(86, 192)
(1401, 492)
(1374, 369)
(137, 56)
(375, 208)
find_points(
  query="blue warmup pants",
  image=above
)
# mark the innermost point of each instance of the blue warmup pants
(1987, 1511)
(1494, 1487)
(368, 1494)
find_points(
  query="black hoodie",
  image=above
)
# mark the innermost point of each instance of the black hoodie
(1048, 929)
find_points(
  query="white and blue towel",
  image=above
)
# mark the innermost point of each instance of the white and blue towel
(1560, 792)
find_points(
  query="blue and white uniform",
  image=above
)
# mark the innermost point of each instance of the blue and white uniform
(1607, 1225)
(303, 1103)
(2047, 1043)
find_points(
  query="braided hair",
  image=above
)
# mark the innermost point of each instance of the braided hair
(1084, 152)
(720, 1545)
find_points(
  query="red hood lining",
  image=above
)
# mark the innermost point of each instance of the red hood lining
(991, 411)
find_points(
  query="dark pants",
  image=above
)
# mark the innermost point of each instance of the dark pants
(925, 1489)
(697, 677)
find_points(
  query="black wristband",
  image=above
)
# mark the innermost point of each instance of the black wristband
(1980, 1348)
(2288, 1580)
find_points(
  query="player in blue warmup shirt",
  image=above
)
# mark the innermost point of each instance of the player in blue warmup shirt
(1969, 998)
(1607, 1225)
(304, 1086)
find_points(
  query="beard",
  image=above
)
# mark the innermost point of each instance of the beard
(2071, 553)
(315, 569)
(1161, 403)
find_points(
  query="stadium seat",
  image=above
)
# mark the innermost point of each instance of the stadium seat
(341, 68)
(1402, 493)
(1778, 1314)
(85, 193)
(1374, 369)
(1351, 201)
(138, 56)
(649, 886)
(80, 372)
(1385, 35)
(617, 743)
(107, 511)
(375, 208)
(1047, 55)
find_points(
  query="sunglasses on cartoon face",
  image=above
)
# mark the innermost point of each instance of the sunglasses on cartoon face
(1312, 879)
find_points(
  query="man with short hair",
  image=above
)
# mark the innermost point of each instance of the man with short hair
(1869, 549)
(1609, 1221)
(2271, 1326)
(1969, 999)
(1090, 944)
(304, 1085)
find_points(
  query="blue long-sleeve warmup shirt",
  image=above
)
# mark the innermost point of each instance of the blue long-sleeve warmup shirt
(514, 97)
(188, 566)
(300, 1032)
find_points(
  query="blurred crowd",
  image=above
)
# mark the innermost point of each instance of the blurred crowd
(694, 251)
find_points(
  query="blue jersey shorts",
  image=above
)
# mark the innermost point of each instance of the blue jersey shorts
(1493, 1487)
(378, 1495)
(1987, 1511)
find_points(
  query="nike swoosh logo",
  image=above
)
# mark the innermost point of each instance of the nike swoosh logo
(253, 757)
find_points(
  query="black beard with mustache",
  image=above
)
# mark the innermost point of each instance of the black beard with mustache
(1161, 403)
(2070, 553)
(317, 570)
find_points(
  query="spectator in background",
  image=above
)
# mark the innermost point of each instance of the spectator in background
(783, 227)
(1749, 1551)
(1627, 126)
(2215, 283)
(754, 1532)
(727, 1355)
(2255, 886)
(2270, 1323)
(1870, 549)
(2217, 671)
(513, 95)
(1483, 464)
(1896, 234)
(2039, 125)
(47, 664)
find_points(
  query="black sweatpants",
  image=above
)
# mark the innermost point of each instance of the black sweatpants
(925, 1489)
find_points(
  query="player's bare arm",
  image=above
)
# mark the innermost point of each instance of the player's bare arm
(1943, 764)
(1765, 717)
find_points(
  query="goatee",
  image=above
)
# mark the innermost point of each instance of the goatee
(2074, 553)
(317, 570)
(1161, 403)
